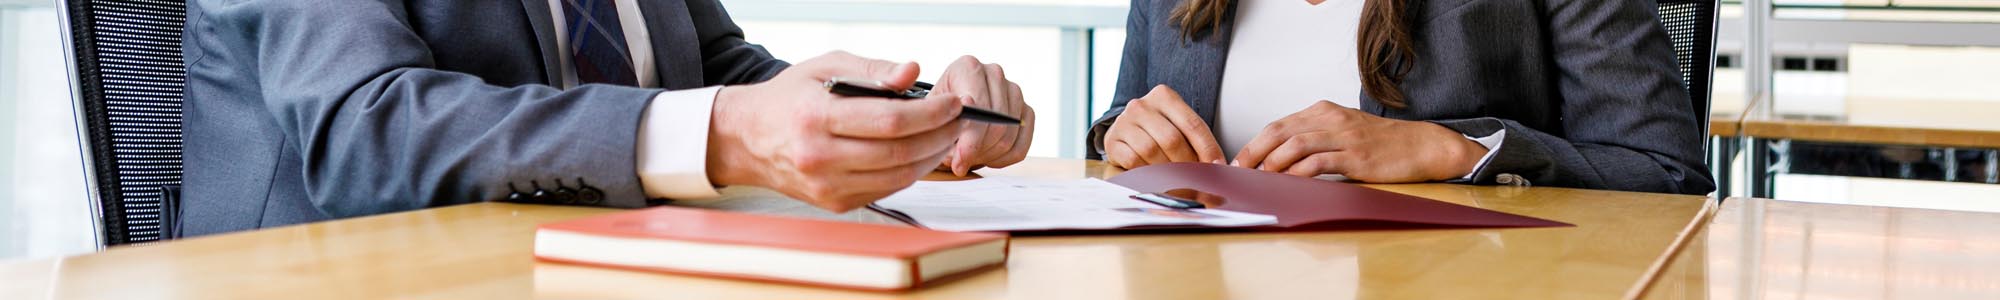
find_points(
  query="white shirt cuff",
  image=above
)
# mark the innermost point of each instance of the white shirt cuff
(673, 144)
(1492, 143)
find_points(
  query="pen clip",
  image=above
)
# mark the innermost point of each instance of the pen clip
(876, 88)
(873, 84)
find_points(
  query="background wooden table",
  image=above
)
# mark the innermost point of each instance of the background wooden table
(1772, 249)
(1948, 126)
(1972, 124)
(482, 251)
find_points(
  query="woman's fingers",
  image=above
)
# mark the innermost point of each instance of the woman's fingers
(1145, 147)
(1259, 147)
(1300, 146)
(1319, 163)
(1194, 132)
(1172, 144)
(1291, 150)
(1121, 155)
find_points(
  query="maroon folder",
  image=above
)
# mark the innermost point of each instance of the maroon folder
(1313, 204)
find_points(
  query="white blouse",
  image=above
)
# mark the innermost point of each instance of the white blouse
(1284, 56)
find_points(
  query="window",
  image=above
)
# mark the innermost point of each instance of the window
(44, 210)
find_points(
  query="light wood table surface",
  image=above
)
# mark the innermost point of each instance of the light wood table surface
(1772, 249)
(482, 251)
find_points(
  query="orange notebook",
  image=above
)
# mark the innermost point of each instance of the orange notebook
(769, 248)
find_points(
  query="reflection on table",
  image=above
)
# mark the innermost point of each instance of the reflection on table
(1772, 249)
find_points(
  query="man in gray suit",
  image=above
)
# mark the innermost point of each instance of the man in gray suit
(299, 111)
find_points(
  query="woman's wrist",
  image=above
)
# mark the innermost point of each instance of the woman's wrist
(1457, 156)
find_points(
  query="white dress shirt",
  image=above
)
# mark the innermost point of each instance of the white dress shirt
(1286, 55)
(673, 131)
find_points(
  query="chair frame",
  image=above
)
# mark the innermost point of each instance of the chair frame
(107, 191)
(1699, 83)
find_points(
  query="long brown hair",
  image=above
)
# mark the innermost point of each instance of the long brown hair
(1383, 44)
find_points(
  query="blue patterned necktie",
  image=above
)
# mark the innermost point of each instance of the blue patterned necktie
(597, 43)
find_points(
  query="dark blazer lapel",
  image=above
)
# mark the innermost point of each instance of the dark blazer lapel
(1206, 56)
(540, 17)
(676, 54)
(1426, 12)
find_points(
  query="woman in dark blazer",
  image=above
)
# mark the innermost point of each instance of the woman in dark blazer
(1572, 93)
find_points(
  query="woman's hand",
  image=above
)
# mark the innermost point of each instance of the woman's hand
(1329, 139)
(1159, 128)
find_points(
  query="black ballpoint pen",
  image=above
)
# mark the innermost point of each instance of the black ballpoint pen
(853, 88)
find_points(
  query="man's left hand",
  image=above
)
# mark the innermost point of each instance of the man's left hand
(982, 144)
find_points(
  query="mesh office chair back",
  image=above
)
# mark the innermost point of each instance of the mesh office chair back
(1691, 25)
(127, 75)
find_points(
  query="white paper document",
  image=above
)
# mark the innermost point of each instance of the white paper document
(1026, 204)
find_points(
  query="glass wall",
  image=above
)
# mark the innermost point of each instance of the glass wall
(43, 208)
(1900, 64)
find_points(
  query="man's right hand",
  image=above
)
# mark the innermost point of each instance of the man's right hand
(837, 153)
(1159, 128)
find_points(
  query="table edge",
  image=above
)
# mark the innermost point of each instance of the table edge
(1694, 227)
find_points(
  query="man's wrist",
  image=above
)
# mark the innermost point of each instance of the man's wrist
(724, 146)
(719, 139)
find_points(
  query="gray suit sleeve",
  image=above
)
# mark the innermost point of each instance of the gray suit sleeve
(1132, 81)
(1630, 124)
(726, 57)
(380, 130)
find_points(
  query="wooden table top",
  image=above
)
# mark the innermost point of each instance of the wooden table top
(482, 251)
(1774, 249)
(1723, 127)
(1899, 122)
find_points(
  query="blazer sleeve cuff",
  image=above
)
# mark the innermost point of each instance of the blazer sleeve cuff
(1492, 144)
(1510, 160)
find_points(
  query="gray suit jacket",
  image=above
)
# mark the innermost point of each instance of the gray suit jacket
(1586, 89)
(299, 111)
